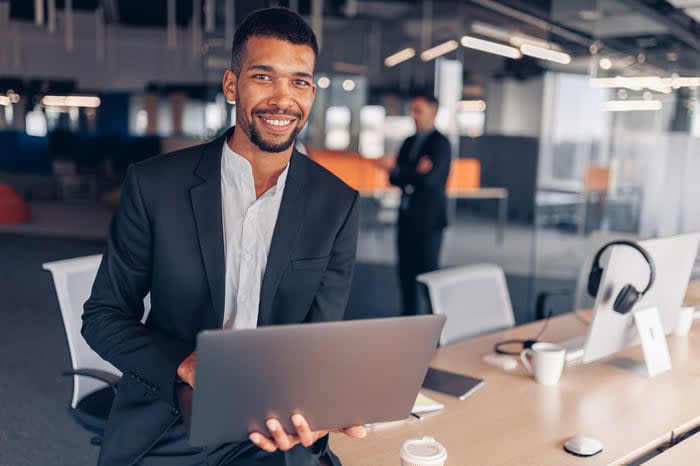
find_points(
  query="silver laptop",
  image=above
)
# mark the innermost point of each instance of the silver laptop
(336, 374)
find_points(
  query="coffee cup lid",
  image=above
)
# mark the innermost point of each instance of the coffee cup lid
(425, 451)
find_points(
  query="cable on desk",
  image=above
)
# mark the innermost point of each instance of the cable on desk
(501, 347)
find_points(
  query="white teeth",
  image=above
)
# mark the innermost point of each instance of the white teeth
(278, 122)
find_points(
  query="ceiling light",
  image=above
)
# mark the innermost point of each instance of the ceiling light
(348, 85)
(522, 39)
(70, 101)
(654, 83)
(471, 106)
(546, 54)
(588, 15)
(605, 63)
(439, 50)
(631, 105)
(400, 56)
(324, 82)
(685, 82)
(625, 62)
(490, 47)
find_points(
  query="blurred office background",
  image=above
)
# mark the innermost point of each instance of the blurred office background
(571, 121)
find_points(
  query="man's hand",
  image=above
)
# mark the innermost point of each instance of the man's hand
(282, 441)
(186, 369)
(424, 165)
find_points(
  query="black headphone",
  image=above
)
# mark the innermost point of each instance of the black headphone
(628, 295)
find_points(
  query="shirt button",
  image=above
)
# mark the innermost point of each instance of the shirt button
(247, 256)
(244, 299)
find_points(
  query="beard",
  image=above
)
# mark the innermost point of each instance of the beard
(251, 129)
(269, 146)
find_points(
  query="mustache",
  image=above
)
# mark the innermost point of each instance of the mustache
(277, 111)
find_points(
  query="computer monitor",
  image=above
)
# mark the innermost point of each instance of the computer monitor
(674, 257)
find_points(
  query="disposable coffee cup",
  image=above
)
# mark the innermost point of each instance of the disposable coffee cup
(684, 321)
(422, 452)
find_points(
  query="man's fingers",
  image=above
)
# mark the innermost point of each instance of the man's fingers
(262, 442)
(279, 436)
(352, 431)
(355, 431)
(306, 436)
(186, 369)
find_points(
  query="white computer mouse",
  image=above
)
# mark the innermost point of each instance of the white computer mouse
(583, 446)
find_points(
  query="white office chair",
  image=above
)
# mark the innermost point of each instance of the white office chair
(94, 379)
(474, 298)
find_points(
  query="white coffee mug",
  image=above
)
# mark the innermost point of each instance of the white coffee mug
(548, 360)
(684, 321)
(425, 451)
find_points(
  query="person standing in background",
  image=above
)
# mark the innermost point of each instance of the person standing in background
(421, 171)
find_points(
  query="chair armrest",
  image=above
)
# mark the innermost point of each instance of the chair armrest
(104, 376)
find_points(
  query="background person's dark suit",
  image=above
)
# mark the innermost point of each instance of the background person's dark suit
(422, 213)
(167, 238)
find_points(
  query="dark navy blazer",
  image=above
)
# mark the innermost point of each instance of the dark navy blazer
(166, 238)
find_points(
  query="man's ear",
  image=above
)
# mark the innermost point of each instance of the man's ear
(229, 85)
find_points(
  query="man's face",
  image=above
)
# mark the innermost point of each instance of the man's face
(423, 113)
(274, 92)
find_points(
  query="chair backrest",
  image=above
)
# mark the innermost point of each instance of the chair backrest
(465, 174)
(596, 179)
(474, 298)
(73, 279)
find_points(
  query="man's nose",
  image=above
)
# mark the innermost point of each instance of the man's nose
(282, 92)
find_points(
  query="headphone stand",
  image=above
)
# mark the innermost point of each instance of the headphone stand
(654, 347)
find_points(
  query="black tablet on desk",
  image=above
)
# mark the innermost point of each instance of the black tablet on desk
(336, 374)
(451, 383)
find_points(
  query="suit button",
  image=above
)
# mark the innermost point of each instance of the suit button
(175, 412)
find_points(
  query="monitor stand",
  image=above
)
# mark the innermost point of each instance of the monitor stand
(631, 365)
(654, 347)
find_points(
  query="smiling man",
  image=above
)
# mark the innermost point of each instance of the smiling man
(240, 232)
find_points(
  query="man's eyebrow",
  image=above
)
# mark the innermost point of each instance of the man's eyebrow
(262, 68)
(270, 69)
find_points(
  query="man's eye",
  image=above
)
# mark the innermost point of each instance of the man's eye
(263, 77)
(301, 83)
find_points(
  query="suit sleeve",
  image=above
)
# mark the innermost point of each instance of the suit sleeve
(112, 315)
(400, 176)
(331, 298)
(439, 154)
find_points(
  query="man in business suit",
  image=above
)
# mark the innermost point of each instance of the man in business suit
(421, 171)
(237, 233)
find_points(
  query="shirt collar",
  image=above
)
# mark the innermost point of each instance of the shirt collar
(236, 168)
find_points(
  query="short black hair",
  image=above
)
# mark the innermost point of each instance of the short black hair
(427, 96)
(279, 23)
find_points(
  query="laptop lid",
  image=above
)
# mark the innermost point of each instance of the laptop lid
(336, 374)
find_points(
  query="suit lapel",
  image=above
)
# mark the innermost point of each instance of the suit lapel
(289, 220)
(206, 207)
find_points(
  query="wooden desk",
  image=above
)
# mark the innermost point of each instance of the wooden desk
(513, 420)
(687, 452)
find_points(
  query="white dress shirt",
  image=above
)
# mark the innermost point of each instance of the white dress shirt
(248, 226)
